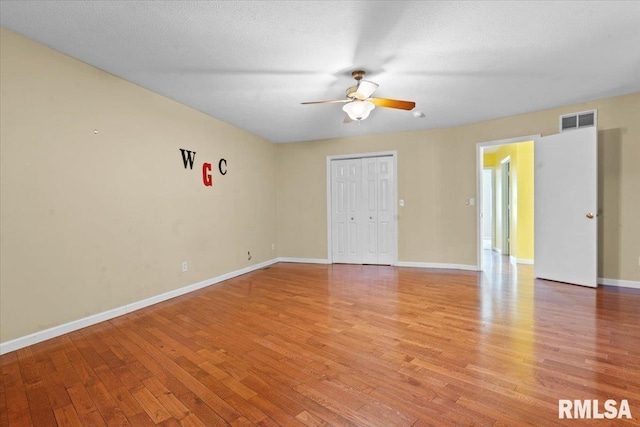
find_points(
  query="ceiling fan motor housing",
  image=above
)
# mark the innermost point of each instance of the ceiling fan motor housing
(358, 74)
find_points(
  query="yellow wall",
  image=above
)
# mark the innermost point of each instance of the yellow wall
(489, 160)
(525, 229)
(521, 169)
(91, 222)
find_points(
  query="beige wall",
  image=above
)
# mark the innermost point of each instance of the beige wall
(437, 172)
(90, 222)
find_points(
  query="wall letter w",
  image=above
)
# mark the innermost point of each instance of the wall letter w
(188, 157)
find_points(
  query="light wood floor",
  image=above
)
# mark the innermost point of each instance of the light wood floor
(341, 345)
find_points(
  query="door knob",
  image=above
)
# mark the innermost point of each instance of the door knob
(370, 217)
(589, 215)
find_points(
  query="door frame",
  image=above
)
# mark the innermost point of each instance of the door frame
(394, 228)
(479, 178)
(492, 233)
(506, 208)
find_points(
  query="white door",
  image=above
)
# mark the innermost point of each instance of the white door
(362, 210)
(377, 217)
(566, 227)
(386, 205)
(370, 183)
(345, 207)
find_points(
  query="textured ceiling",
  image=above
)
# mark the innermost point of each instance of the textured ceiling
(251, 64)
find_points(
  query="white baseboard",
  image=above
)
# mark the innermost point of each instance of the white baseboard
(437, 265)
(515, 260)
(304, 260)
(621, 283)
(56, 331)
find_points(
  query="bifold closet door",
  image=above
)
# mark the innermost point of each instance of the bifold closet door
(377, 215)
(346, 211)
(362, 198)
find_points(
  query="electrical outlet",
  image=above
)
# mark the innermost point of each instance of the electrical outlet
(184, 266)
(249, 255)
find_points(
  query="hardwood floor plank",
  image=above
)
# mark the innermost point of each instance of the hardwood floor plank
(18, 406)
(310, 420)
(11, 376)
(39, 407)
(249, 411)
(56, 390)
(191, 420)
(167, 399)
(151, 405)
(126, 402)
(28, 368)
(107, 405)
(4, 411)
(209, 397)
(277, 413)
(63, 368)
(67, 416)
(337, 407)
(84, 405)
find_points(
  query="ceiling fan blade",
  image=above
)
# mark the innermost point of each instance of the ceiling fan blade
(336, 101)
(365, 89)
(347, 119)
(392, 103)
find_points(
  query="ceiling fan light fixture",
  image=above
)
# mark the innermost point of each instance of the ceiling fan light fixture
(358, 110)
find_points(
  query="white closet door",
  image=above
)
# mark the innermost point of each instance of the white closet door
(362, 210)
(370, 184)
(386, 203)
(345, 206)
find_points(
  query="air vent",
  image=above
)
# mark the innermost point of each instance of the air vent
(578, 120)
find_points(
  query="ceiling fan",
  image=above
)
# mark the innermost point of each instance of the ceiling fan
(359, 103)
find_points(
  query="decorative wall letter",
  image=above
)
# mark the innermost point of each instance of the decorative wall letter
(188, 157)
(206, 176)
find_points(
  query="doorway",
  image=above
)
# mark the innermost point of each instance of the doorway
(511, 161)
(361, 208)
(565, 229)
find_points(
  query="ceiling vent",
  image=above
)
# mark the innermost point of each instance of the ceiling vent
(578, 120)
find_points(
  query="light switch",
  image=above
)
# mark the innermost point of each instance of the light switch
(401, 202)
